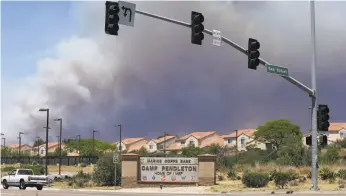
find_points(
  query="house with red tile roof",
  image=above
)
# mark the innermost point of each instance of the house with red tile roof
(242, 139)
(131, 144)
(197, 139)
(158, 145)
(41, 149)
(24, 148)
(337, 131)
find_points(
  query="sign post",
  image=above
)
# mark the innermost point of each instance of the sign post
(277, 70)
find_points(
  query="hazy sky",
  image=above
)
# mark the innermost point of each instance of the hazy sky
(151, 79)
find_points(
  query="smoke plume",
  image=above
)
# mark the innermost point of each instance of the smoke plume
(151, 79)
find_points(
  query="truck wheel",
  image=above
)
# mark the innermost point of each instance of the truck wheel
(39, 187)
(22, 185)
(5, 184)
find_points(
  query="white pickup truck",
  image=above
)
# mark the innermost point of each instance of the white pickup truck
(23, 178)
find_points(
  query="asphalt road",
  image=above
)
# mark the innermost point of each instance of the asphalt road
(34, 192)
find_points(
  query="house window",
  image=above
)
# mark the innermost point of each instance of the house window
(182, 142)
(229, 141)
(191, 142)
(150, 146)
(242, 142)
(161, 146)
(343, 134)
(42, 151)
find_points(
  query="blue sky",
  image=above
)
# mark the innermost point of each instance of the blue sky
(29, 32)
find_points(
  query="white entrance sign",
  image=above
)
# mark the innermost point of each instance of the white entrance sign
(158, 169)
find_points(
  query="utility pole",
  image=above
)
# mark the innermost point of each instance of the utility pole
(47, 127)
(120, 146)
(313, 98)
(164, 144)
(78, 136)
(20, 143)
(60, 137)
(236, 143)
(4, 145)
(94, 142)
(38, 147)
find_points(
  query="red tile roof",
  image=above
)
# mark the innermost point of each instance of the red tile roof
(17, 146)
(162, 139)
(198, 135)
(128, 141)
(209, 142)
(337, 126)
(175, 146)
(248, 132)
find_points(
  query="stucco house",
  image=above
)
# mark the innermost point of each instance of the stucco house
(197, 139)
(337, 131)
(245, 138)
(24, 148)
(131, 144)
(157, 145)
(41, 149)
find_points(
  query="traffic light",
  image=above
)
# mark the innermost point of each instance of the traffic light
(308, 140)
(323, 140)
(323, 117)
(253, 53)
(112, 18)
(197, 28)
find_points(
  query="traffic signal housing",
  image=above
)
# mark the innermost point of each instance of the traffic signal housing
(112, 18)
(253, 53)
(308, 140)
(323, 117)
(197, 28)
(323, 140)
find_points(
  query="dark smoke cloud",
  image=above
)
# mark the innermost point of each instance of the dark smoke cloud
(151, 79)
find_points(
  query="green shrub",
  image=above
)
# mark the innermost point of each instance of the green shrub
(82, 164)
(281, 179)
(103, 174)
(7, 169)
(255, 180)
(79, 180)
(342, 174)
(327, 174)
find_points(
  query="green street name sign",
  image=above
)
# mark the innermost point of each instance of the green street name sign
(277, 70)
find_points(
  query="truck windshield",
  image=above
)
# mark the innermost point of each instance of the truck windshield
(25, 172)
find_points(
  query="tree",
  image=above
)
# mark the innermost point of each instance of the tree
(142, 152)
(86, 146)
(191, 151)
(103, 174)
(277, 132)
(38, 142)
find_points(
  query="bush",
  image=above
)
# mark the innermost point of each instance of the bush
(104, 172)
(255, 180)
(232, 174)
(79, 180)
(7, 169)
(342, 174)
(82, 164)
(281, 179)
(327, 174)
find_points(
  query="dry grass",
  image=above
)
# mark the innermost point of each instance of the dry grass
(237, 186)
(63, 185)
